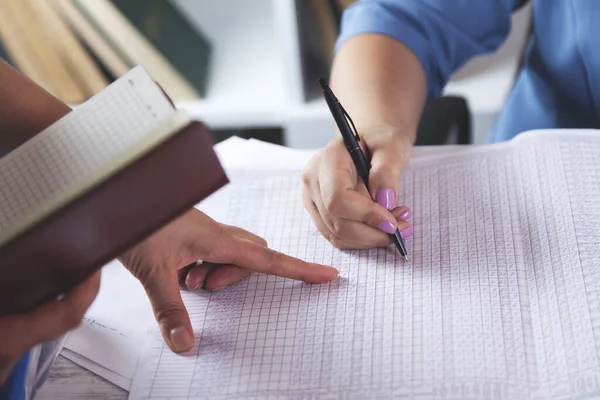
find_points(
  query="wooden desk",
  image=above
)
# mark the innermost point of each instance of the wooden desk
(69, 381)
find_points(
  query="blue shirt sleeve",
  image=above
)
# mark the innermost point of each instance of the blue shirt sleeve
(15, 387)
(443, 34)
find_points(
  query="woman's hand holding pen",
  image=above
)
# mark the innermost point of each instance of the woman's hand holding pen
(382, 85)
(338, 202)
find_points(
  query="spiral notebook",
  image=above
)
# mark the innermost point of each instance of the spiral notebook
(499, 299)
(102, 178)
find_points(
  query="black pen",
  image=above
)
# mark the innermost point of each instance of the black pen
(351, 139)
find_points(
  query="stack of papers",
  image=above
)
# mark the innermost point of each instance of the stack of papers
(110, 339)
(500, 297)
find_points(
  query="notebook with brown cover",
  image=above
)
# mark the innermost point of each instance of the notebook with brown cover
(95, 183)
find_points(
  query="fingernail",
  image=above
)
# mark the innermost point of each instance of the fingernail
(408, 232)
(181, 339)
(386, 198)
(405, 215)
(337, 273)
(193, 281)
(387, 227)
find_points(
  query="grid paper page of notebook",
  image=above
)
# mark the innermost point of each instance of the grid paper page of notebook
(499, 299)
(77, 145)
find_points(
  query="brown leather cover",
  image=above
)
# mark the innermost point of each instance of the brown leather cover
(80, 238)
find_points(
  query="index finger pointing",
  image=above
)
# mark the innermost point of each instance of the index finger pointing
(262, 259)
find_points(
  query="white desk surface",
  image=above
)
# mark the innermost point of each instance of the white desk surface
(68, 380)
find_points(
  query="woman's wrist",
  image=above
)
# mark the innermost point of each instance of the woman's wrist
(399, 139)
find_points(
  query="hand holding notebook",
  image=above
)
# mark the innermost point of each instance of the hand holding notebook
(107, 176)
(95, 183)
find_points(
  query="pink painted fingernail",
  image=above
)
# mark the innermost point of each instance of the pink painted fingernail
(408, 232)
(387, 227)
(386, 198)
(405, 215)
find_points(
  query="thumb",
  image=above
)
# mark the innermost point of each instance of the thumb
(387, 162)
(162, 288)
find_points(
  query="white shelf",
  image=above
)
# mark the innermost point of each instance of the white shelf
(235, 116)
(247, 83)
(288, 38)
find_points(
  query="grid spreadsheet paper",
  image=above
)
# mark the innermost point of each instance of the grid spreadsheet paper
(499, 299)
(88, 141)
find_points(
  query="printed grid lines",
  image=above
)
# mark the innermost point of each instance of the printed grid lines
(489, 305)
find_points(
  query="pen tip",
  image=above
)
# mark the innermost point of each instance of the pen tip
(322, 83)
(406, 257)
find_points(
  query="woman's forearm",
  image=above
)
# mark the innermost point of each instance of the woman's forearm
(25, 108)
(381, 84)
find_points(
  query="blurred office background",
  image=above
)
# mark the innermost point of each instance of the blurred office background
(244, 67)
